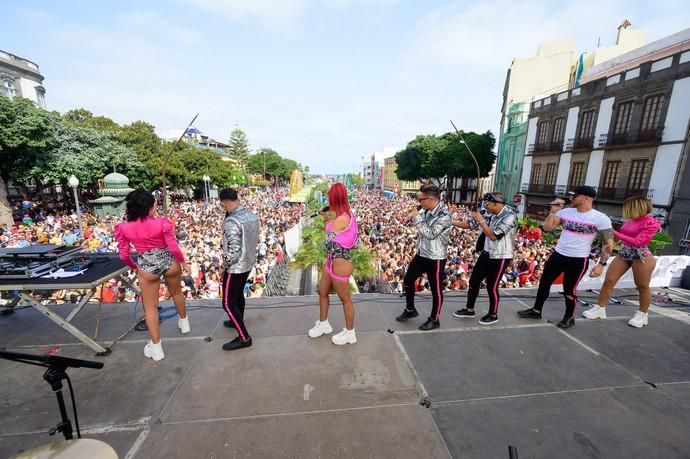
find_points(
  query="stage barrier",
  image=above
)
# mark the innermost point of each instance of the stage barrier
(668, 273)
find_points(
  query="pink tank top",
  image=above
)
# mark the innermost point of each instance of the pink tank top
(346, 238)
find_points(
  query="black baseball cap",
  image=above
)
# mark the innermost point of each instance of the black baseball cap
(584, 191)
(491, 197)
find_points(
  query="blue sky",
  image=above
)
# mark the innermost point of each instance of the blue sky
(323, 82)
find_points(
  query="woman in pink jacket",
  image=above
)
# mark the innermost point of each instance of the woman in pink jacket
(158, 255)
(639, 228)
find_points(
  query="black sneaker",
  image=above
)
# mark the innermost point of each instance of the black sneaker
(237, 343)
(430, 324)
(488, 319)
(407, 314)
(464, 312)
(567, 322)
(229, 324)
(529, 314)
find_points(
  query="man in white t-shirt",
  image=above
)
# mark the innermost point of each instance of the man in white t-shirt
(581, 223)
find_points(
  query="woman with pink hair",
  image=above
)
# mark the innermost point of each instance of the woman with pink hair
(341, 237)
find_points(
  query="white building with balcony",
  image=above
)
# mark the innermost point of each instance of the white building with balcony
(20, 77)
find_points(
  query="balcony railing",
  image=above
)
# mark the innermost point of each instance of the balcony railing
(608, 194)
(541, 188)
(580, 143)
(632, 138)
(621, 194)
(546, 147)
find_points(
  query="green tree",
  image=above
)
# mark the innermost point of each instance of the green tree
(265, 160)
(26, 133)
(239, 148)
(84, 118)
(444, 158)
(87, 153)
(140, 136)
(417, 159)
(276, 166)
(197, 162)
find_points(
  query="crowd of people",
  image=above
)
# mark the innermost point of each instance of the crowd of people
(225, 250)
(197, 228)
(384, 228)
(381, 219)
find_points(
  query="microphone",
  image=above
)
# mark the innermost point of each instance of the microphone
(316, 214)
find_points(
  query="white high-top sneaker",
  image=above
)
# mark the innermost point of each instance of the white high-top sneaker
(345, 337)
(595, 312)
(154, 351)
(320, 328)
(183, 325)
(639, 320)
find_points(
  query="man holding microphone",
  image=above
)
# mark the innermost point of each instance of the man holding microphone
(581, 224)
(434, 224)
(495, 248)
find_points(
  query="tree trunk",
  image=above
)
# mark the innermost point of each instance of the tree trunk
(5, 209)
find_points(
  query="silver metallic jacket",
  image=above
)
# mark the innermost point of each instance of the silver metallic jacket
(240, 236)
(434, 230)
(504, 226)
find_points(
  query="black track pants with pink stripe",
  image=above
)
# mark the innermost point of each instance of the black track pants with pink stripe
(233, 300)
(491, 270)
(573, 269)
(434, 270)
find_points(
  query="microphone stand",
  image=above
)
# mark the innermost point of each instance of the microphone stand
(476, 163)
(54, 375)
(164, 168)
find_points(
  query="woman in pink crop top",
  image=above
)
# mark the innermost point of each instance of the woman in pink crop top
(341, 237)
(635, 234)
(158, 255)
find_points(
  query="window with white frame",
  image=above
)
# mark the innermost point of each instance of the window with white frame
(8, 88)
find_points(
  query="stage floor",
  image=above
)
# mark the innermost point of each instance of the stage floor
(600, 389)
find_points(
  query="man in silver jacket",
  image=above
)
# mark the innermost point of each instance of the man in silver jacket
(240, 236)
(434, 225)
(495, 248)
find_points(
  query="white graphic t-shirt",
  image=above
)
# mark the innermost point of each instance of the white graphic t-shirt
(579, 231)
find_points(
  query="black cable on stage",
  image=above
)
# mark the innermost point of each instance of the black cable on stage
(74, 405)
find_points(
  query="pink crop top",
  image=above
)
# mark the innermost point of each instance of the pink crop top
(346, 238)
(151, 233)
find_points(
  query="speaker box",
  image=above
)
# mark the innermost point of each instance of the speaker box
(685, 280)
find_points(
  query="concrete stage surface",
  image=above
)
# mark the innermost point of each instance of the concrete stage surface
(601, 389)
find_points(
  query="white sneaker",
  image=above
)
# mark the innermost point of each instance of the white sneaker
(595, 312)
(639, 320)
(345, 337)
(183, 325)
(320, 328)
(154, 351)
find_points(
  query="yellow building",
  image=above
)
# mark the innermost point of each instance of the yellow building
(393, 183)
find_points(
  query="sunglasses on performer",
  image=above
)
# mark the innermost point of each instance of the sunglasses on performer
(490, 197)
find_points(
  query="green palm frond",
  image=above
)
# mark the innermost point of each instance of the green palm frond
(312, 252)
(659, 242)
